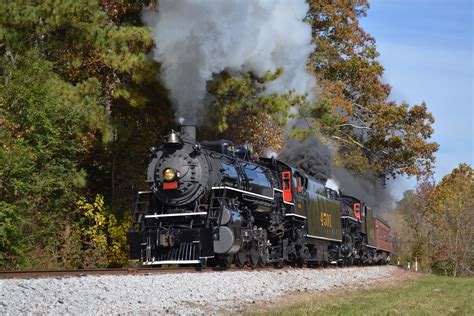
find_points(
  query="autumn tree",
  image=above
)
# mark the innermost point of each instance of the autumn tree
(450, 213)
(352, 110)
(371, 132)
(434, 224)
(409, 226)
(240, 110)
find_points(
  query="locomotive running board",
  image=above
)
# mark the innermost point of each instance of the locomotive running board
(323, 238)
(350, 218)
(175, 214)
(296, 215)
(244, 192)
(251, 193)
(150, 263)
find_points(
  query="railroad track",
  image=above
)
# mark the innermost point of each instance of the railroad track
(27, 274)
(31, 274)
(34, 274)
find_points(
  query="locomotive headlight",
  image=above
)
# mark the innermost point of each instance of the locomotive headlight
(169, 174)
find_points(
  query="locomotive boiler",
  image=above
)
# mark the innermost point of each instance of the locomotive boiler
(211, 203)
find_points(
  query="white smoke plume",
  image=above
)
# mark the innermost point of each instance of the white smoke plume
(333, 184)
(197, 39)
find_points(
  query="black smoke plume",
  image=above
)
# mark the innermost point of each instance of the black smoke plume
(373, 191)
(311, 156)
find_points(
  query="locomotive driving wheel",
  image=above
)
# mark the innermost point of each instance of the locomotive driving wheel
(240, 258)
(263, 251)
(303, 253)
(279, 264)
(225, 261)
(254, 256)
(350, 261)
(262, 259)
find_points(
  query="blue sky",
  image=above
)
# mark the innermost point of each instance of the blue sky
(426, 49)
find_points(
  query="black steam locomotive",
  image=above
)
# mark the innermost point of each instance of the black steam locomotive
(210, 203)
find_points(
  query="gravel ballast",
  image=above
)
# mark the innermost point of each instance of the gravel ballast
(169, 293)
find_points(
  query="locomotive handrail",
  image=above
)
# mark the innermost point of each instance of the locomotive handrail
(136, 212)
(296, 215)
(242, 191)
(351, 218)
(323, 238)
(175, 214)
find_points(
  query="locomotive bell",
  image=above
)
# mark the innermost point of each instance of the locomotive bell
(172, 138)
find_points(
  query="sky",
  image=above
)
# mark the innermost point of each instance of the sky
(426, 47)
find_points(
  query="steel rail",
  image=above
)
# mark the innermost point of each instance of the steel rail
(35, 274)
(28, 274)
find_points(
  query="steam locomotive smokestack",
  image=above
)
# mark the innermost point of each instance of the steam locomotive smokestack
(189, 131)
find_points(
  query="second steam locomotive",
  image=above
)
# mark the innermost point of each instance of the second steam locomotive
(210, 203)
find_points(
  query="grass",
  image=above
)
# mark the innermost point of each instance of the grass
(428, 295)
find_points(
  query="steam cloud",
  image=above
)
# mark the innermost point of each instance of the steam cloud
(311, 156)
(197, 39)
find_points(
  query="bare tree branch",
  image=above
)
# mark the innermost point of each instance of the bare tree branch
(355, 126)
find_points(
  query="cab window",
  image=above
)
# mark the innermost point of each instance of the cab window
(298, 182)
(229, 170)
